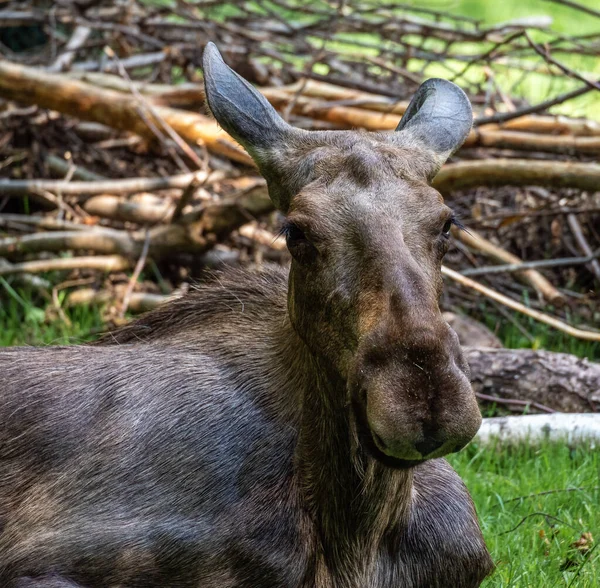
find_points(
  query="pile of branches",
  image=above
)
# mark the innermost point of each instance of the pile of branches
(112, 166)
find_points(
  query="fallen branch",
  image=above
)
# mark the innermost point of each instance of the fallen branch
(126, 186)
(105, 263)
(104, 241)
(116, 208)
(540, 428)
(501, 117)
(532, 277)
(539, 264)
(138, 301)
(363, 100)
(566, 144)
(352, 117)
(552, 125)
(535, 314)
(583, 244)
(517, 172)
(28, 85)
(78, 38)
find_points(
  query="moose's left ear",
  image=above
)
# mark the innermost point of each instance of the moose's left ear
(439, 116)
(239, 108)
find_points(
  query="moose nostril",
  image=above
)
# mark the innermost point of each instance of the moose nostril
(428, 446)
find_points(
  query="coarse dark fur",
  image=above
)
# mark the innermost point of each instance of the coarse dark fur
(255, 434)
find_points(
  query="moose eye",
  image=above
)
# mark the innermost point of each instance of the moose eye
(446, 228)
(299, 246)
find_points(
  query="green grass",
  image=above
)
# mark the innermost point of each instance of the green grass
(530, 534)
(26, 319)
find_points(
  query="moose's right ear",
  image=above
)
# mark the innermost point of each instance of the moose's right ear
(240, 109)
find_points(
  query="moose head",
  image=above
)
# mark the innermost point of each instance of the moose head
(367, 235)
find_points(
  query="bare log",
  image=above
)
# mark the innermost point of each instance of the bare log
(541, 428)
(518, 172)
(104, 241)
(552, 125)
(115, 109)
(561, 381)
(180, 96)
(116, 208)
(125, 186)
(105, 263)
(566, 144)
(349, 116)
(138, 301)
(546, 124)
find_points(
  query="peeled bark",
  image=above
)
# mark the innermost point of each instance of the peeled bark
(540, 428)
(560, 381)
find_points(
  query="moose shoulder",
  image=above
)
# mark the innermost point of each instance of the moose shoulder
(266, 430)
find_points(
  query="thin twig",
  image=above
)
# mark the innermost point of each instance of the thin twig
(566, 70)
(542, 263)
(126, 186)
(525, 403)
(577, 6)
(201, 165)
(141, 262)
(535, 314)
(584, 245)
(106, 263)
(547, 492)
(501, 117)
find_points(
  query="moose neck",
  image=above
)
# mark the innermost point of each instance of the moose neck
(355, 501)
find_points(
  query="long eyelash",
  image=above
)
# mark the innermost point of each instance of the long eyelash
(455, 220)
(285, 229)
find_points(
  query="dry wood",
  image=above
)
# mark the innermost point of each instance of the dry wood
(189, 96)
(535, 314)
(532, 277)
(117, 208)
(86, 188)
(566, 144)
(353, 117)
(366, 101)
(551, 125)
(518, 172)
(560, 381)
(106, 241)
(104, 263)
(138, 301)
(43, 222)
(519, 267)
(137, 270)
(78, 38)
(583, 244)
(59, 92)
(262, 236)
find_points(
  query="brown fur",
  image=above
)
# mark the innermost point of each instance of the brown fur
(264, 430)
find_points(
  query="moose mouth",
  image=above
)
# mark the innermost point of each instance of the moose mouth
(370, 445)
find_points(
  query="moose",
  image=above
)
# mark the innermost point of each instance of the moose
(271, 428)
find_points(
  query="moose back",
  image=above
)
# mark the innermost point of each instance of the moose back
(268, 429)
